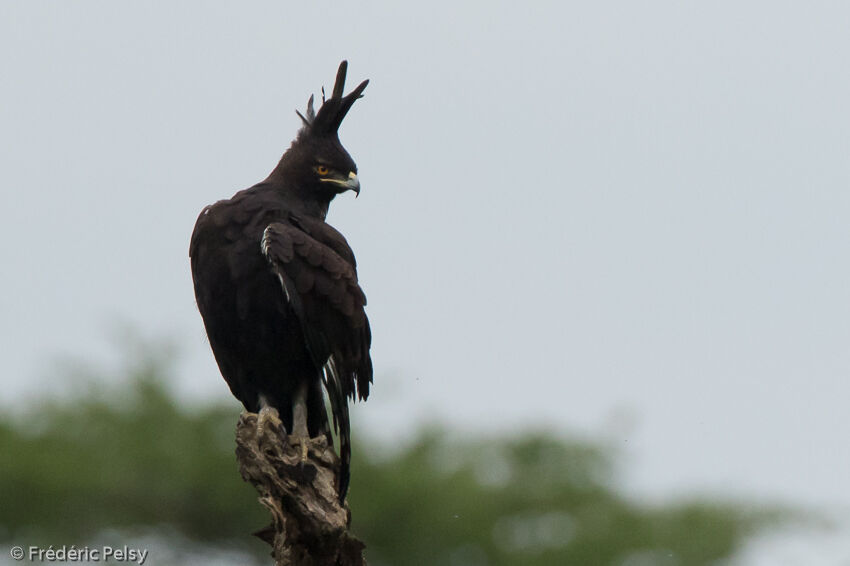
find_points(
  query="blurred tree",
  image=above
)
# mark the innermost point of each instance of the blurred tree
(75, 468)
(533, 500)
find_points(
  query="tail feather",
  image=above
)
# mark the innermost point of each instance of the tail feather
(344, 456)
(338, 398)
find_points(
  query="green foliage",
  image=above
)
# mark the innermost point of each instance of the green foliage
(76, 468)
(533, 500)
(114, 461)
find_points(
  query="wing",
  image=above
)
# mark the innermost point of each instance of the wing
(317, 272)
(309, 258)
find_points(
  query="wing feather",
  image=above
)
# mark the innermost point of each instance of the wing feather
(305, 255)
(317, 271)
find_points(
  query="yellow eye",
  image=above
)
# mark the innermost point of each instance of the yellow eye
(322, 170)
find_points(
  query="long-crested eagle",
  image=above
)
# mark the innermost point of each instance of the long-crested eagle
(277, 286)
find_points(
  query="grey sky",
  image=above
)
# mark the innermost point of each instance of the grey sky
(619, 218)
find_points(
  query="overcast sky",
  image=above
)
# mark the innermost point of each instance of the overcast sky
(615, 218)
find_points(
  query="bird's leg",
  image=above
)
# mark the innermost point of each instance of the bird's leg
(268, 417)
(299, 419)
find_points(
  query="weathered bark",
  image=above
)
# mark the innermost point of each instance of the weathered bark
(309, 526)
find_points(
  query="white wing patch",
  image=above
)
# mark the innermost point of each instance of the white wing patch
(264, 246)
(264, 243)
(330, 369)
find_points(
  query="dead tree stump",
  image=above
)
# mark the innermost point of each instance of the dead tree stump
(309, 526)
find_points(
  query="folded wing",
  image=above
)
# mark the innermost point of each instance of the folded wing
(317, 272)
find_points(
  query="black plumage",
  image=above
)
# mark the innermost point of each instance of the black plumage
(277, 286)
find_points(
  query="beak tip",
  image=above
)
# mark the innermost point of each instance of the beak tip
(354, 183)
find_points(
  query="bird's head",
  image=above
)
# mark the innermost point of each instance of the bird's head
(317, 166)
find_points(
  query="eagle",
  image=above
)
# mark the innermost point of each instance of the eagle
(277, 286)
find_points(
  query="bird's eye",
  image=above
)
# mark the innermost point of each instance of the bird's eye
(322, 170)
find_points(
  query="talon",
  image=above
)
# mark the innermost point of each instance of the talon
(267, 417)
(303, 442)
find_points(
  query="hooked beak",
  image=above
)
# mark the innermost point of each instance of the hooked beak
(350, 184)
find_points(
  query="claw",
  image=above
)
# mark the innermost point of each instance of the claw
(303, 442)
(267, 418)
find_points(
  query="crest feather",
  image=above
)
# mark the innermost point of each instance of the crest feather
(329, 117)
